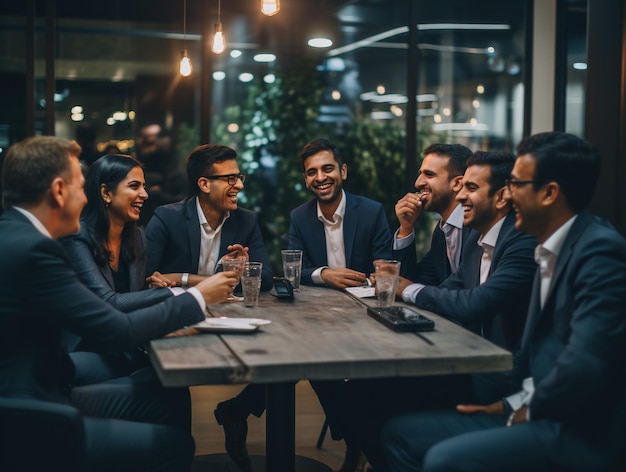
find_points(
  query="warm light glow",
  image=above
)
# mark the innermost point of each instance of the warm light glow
(218, 45)
(380, 89)
(473, 122)
(76, 109)
(185, 65)
(335, 94)
(77, 117)
(110, 121)
(270, 7)
(480, 89)
(232, 127)
(437, 118)
(119, 116)
(320, 43)
(447, 111)
(476, 103)
(131, 115)
(396, 110)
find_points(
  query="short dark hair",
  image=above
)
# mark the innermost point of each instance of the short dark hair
(200, 161)
(457, 153)
(567, 160)
(109, 170)
(317, 145)
(501, 164)
(31, 165)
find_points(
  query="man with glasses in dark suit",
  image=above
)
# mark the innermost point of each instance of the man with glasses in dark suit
(570, 411)
(188, 239)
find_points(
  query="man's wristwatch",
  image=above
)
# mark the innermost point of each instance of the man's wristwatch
(184, 280)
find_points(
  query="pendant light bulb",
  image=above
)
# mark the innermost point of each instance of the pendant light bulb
(185, 64)
(270, 7)
(218, 45)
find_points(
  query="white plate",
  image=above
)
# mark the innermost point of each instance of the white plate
(230, 325)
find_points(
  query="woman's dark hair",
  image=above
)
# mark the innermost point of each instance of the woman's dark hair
(109, 170)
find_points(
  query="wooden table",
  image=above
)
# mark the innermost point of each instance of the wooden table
(324, 334)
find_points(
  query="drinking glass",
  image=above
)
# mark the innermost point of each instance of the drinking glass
(292, 266)
(237, 264)
(251, 283)
(387, 279)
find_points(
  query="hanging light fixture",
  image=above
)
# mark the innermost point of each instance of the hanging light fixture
(270, 7)
(185, 63)
(218, 45)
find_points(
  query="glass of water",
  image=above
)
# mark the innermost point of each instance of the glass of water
(292, 265)
(387, 279)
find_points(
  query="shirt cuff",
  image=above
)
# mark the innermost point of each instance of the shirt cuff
(410, 293)
(401, 243)
(177, 290)
(523, 397)
(199, 298)
(316, 276)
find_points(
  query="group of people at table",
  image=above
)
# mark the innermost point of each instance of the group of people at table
(515, 258)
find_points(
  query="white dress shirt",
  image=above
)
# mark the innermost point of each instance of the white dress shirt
(210, 240)
(333, 230)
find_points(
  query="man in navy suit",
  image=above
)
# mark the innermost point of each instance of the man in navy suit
(340, 234)
(570, 412)
(126, 422)
(438, 183)
(488, 294)
(187, 240)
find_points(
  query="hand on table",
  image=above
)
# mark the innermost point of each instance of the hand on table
(342, 278)
(158, 280)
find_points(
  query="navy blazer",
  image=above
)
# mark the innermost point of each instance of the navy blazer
(42, 296)
(575, 347)
(99, 279)
(173, 235)
(434, 267)
(366, 235)
(497, 308)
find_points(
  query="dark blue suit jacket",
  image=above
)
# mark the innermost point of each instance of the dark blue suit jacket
(433, 268)
(575, 347)
(366, 235)
(42, 295)
(99, 279)
(496, 309)
(173, 235)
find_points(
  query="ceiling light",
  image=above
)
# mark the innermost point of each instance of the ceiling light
(270, 7)
(320, 43)
(264, 57)
(218, 45)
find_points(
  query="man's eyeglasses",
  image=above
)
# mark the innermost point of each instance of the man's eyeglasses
(231, 178)
(512, 183)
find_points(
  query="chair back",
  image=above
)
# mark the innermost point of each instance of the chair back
(37, 435)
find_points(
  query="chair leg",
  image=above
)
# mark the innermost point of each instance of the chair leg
(320, 439)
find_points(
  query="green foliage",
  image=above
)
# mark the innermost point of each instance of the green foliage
(276, 121)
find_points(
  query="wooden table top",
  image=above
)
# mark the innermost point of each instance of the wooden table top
(323, 334)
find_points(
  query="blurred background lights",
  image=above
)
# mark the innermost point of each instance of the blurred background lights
(380, 89)
(320, 43)
(269, 78)
(246, 77)
(219, 75)
(235, 53)
(233, 127)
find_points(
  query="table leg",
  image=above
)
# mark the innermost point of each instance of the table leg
(280, 448)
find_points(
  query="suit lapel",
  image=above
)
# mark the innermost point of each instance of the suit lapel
(507, 227)
(318, 251)
(193, 233)
(534, 310)
(229, 233)
(349, 227)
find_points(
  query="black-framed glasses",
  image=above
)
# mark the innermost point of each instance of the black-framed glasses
(231, 178)
(512, 183)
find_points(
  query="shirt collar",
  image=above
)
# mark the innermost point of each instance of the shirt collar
(339, 212)
(202, 219)
(555, 242)
(33, 219)
(491, 237)
(455, 219)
